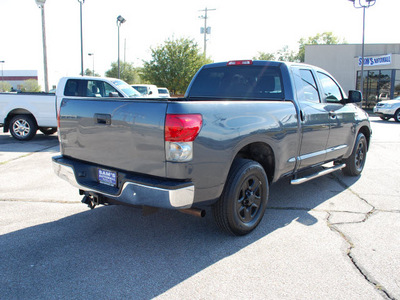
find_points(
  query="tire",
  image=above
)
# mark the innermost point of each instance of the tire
(242, 204)
(397, 115)
(48, 131)
(23, 127)
(384, 118)
(356, 161)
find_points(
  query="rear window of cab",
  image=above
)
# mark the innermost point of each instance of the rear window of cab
(238, 82)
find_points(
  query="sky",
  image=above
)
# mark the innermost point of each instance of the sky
(239, 29)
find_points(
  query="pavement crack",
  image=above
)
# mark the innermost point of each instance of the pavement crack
(349, 254)
(41, 201)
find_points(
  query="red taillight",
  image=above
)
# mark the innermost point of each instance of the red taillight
(239, 62)
(58, 117)
(182, 128)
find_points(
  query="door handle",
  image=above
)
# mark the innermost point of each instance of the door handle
(104, 119)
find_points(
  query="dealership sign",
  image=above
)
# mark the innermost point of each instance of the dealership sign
(376, 60)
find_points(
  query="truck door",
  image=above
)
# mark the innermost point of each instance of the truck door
(314, 118)
(342, 117)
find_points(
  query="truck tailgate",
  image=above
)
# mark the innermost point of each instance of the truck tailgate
(121, 134)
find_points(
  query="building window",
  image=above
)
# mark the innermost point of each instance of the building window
(396, 85)
(378, 86)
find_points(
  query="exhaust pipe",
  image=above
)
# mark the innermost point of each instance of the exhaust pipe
(201, 213)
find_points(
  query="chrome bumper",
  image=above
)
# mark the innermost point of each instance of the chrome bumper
(135, 193)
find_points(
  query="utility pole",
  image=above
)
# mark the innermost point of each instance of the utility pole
(40, 4)
(205, 30)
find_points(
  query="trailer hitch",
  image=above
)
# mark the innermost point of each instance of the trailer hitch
(92, 200)
(88, 199)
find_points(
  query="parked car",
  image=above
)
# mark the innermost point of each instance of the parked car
(242, 126)
(147, 90)
(163, 93)
(388, 109)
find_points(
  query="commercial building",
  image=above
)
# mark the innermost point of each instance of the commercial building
(17, 77)
(381, 68)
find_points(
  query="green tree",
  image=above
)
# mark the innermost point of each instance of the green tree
(30, 85)
(89, 72)
(264, 56)
(5, 86)
(128, 72)
(285, 54)
(320, 38)
(173, 64)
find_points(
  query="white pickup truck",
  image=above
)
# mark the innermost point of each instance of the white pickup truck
(24, 113)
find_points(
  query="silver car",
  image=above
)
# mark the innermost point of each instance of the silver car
(388, 109)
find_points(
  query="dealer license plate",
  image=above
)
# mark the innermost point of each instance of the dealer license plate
(107, 177)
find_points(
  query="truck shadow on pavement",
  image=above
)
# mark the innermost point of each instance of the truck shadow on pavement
(116, 252)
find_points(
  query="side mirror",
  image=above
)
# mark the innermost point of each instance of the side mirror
(151, 92)
(354, 97)
(113, 95)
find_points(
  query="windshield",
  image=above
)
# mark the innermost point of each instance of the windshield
(127, 89)
(242, 82)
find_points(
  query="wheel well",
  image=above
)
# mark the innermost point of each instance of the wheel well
(14, 112)
(367, 133)
(261, 153)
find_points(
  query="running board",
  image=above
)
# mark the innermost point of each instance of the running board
(316, 175)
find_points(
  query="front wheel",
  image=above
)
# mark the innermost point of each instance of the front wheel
(244, 199)
(23, 127)
(356, 161)
(397, 115)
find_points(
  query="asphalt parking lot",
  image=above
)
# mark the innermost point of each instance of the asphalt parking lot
(335, 237)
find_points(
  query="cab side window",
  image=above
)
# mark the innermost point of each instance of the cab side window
(332, 93)
(108, 90)
(71, 88)
(94, 88)
(306, 87)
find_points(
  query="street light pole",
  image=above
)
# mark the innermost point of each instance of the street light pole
(92, 54)
(40, 4)
(81, 3)
(120, 20)
(363, 4)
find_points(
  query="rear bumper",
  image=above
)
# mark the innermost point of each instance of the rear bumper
(131, 189)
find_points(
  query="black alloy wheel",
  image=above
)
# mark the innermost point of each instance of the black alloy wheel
(242, 204)
(356, 161)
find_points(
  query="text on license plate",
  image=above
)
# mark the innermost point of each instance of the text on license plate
(107, 177)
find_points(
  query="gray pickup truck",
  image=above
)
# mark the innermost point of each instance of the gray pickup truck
(241, 126)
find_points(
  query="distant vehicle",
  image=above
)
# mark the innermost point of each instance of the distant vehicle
(24, 113)
(163, 93)
(388, 109)
(147, 90)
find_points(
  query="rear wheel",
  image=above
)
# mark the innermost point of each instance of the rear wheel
(48, 131)
(355, 163)
(23, 127)
(244, 199)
